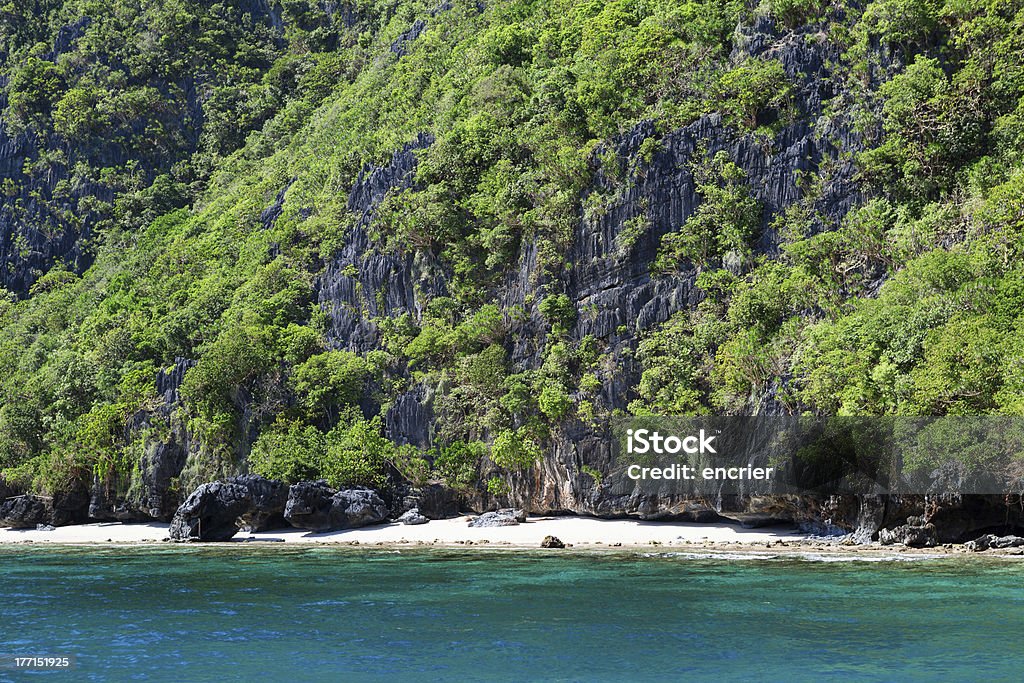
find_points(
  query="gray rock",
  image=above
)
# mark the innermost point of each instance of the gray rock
(25, 512)
(505, 517)
(434, 501)
(318, 507)
(211, 513)
(269, 498)
(915, 534)
(413, 517)
(400, 46)
(988, 541)
(552, 542)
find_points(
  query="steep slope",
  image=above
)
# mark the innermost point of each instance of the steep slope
(506, 224)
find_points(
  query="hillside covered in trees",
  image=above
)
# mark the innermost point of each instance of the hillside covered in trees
(402, 240)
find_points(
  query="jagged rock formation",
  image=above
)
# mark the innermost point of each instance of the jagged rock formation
(916, 533)
(211, 513)
(991, 541)
(269, 498)
(609, 278)
(151, 492)
(552, 542)
(413, 517)
(25, 512)
(504, 517)
(433, 501)
(318, 507)
(361, 282)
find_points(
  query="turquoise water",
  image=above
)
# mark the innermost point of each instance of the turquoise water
(211, 614)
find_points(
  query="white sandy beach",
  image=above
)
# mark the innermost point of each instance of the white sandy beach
(578, 531)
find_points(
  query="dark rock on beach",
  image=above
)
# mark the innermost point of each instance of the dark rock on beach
(211, 513)
(70, 507)
(436, 501)
(318, 507)
(916, 533)
(25, 512)
(552, 542)
(269, 498)
(991, 541)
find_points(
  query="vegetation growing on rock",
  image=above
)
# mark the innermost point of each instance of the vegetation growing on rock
(330, 213)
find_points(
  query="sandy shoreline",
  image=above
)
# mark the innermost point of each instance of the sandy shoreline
(577, 532)
(571, 530)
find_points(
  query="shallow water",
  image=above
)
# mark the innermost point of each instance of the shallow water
(214, 614)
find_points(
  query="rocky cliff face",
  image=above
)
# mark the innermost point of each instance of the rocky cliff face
(58, 189)
(35, 228)
(608, 279)
(363, 282)
(150, 491)
(610, 282)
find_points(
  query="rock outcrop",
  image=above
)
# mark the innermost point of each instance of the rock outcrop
(552, 542)
(505, 517)
(413, 517)
(318, 507)
(211, 513)
(268, 497)
(433, 501)
(916, 533)
(608, 276)
(151, 490)
(25, 512)
(993, 542)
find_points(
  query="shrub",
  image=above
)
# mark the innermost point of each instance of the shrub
(357, 454)
(288, 451)
(329, 382)
(554, 402)
(559, 312)
(514, 450)
(458, 462)
(751, 87)
(726, 220)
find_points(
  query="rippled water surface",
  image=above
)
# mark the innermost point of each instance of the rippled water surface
(215, 614)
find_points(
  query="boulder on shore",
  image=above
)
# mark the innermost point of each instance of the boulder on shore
(552, 542)
(211, 513)
(916, 533)
(504, 517)
(314, 505)
(25, 512)
(995, 542)
(413, 517)
(269, 497)
(70, 506)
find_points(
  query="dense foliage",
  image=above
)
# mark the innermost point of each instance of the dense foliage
(912, 304)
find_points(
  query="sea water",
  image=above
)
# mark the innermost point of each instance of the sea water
(342, 614)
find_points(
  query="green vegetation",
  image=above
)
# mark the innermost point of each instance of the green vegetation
(910, 304)
(724, 223)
